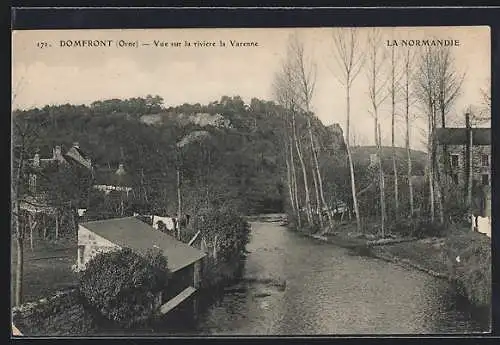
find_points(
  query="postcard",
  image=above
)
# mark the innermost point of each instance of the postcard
(243, 182)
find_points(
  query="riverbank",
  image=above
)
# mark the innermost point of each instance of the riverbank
(462, 257)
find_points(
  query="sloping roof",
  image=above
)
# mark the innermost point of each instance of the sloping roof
(458, 136)
(37, 205)
(78, 156)
(140, 237)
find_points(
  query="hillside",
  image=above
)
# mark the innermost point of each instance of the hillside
(228, 152)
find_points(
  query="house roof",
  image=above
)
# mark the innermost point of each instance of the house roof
(77, 155)
(140, 237)
(458, 136)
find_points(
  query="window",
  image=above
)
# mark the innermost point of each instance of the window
(485, 179)
(455, 178)
(485, 160)
(454, 161)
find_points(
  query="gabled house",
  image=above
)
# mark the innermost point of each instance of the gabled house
(42, 173)
(55, 186)
(184, 261)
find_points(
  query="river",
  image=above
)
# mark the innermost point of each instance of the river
(293, 285)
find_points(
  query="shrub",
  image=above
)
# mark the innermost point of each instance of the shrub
(427, 228)
(59, 315)
(122, 285)
(418, 227)
(472, 273)
(404, 227)
(231, 229)
(232, 232)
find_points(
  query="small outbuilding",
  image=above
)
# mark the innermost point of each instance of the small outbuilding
(184, 261)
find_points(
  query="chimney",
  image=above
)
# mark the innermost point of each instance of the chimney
(56, 152)
(121, 170)
(36, 160)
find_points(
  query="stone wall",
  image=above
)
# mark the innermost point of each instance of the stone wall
(477, 167)
(60, 315)
(91, 244)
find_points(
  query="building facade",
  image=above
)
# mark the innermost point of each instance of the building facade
(454, 142)
(452, 150)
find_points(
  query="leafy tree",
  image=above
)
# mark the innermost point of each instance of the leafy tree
(224, 229)
(123, 286)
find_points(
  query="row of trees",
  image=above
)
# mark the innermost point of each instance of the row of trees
(419, 84)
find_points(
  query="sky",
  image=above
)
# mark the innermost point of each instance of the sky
(45, 73)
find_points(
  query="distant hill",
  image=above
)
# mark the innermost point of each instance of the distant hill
(239, 159)
(361, 156)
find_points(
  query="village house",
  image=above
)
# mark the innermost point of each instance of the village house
(455, 142)
(55, 186)
(184, 261)
(42, 172)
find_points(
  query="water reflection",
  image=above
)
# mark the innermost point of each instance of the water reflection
(296, 286)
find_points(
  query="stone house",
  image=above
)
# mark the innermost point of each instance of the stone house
(455, 140)
(184, 261)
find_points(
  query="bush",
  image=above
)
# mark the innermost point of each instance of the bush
(418, 227)
(472, 273)
(232, 232)
(59, 315)
(230, 228)
(427, 228)
(404, 227)
(122, 286)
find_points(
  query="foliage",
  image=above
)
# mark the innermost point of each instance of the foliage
(60, 315)
(418, 227)
(473, 271)
(227, 227)
(122, 285)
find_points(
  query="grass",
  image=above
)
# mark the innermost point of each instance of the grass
(426, 253)
(472, 272)
(47, 268)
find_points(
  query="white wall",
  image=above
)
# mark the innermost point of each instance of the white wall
(93, 244)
